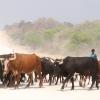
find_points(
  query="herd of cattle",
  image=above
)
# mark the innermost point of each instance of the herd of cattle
(15, 67)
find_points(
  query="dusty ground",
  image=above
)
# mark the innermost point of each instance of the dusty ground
(49, 93)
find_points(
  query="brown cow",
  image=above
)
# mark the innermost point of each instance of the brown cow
(23, 63)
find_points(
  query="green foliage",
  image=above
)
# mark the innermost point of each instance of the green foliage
(80, 38)
(32, 38)
(50, 33)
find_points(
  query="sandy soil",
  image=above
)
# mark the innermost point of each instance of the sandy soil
(49, 93)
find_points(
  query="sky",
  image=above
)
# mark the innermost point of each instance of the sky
(74, 11)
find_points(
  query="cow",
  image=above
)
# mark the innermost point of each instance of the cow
(58, 71)
(47, 68)
(81, 65)
(23, 63)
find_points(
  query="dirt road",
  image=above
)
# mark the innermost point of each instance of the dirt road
(49, 93)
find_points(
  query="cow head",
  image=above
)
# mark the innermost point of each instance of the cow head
(6, 64)
(6, 69)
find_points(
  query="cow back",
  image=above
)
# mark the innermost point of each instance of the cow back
(26, 63)
(80, 64)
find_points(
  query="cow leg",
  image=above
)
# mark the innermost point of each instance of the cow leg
(66, 80)
(10, 80)
(40, 78)
(97, 85)
(30, 79)
(84, 80)
(72, 81)
(2, 78)
(97, 82)
(54, 78)
(93, 81)
(89, 80)
(76, 77)
(58, 76)
(23, 77)
(80, 81)
(50, 79)
(17, 78)
(35, 76)
(62, 78)
(44, 77)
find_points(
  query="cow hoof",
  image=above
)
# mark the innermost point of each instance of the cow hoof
(16, 87)
(80, 84)
(90, 88)
(97, 88)
(26, 86)
(40, 85)
(62, 87)
(72, 88)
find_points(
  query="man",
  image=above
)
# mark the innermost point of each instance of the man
(93, 54)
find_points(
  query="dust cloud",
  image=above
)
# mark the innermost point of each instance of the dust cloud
(7, 45)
